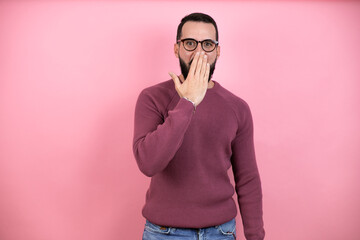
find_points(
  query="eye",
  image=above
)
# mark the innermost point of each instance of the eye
(208, 44)
(189, 43)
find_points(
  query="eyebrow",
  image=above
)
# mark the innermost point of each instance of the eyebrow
(198, 40)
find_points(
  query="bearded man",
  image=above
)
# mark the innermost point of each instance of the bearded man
(189, 131)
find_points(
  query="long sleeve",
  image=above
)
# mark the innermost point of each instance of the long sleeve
(158, 134)
(247, 179)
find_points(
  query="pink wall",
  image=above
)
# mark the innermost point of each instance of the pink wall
(71, 71)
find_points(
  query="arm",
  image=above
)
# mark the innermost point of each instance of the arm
(156, 140)
(247, 179)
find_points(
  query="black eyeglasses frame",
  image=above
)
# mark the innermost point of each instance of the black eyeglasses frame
(197, 42)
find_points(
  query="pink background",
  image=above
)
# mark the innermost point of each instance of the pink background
(70, 74)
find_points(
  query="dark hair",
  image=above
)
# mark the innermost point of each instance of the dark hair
(196, 17)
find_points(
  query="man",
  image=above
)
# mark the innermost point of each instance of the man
(188, 132)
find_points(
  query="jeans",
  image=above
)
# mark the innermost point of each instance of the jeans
(224, 231)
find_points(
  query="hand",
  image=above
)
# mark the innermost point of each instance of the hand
(196, 83)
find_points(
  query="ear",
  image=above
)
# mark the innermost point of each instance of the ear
(218, 51)
(176, 50)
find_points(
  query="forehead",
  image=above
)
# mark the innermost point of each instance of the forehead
(198, 30)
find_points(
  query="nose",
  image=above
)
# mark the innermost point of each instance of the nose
(198, 48)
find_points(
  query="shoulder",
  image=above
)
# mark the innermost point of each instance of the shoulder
(157, 96)
(240, 108)
(162, 89)
(238, 104)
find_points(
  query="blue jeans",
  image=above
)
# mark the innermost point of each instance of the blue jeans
(224, 231)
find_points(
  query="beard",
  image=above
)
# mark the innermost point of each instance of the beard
(185, 68)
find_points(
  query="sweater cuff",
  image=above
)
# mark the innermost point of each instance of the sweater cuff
(186, 103)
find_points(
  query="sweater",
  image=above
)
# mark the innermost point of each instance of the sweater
(187, 153)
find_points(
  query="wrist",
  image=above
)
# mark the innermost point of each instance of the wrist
(193, 103)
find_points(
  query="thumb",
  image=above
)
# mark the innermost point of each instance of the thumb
(175, 79)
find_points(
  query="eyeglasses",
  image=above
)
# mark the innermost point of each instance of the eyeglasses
(190, 44)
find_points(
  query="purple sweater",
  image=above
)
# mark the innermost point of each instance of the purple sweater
(188, 153)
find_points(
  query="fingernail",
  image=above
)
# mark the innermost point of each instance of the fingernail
(205, 56)
(197, 53)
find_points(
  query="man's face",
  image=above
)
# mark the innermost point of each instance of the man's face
(198, 31)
